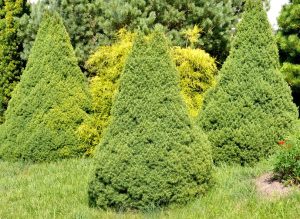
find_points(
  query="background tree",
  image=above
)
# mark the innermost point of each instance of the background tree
(91, 23)
(94, 22)
(49, 103)
(82, 21)
(11, 46)
(250, 109)
(288, 38)
(216, 19)
(151, 155)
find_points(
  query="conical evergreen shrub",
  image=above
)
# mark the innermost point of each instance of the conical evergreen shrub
(151, 155)
(251, 107)
(197, 70)
(49, 103)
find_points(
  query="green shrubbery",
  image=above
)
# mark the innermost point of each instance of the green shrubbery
(11, 64)
(288, 39)
(105, 67)
(196, 68)
(49, 103)
(151, 155)
(82, 19)
(91, 23)
(287, 162)
(251, 107)
(287, 166)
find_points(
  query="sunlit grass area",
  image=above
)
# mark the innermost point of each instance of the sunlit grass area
(59, 190)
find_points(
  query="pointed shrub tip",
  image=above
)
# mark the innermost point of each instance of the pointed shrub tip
(254, 4)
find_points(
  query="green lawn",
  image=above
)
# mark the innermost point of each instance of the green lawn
(58, 190)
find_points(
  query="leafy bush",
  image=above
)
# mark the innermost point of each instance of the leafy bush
(197, 72)
(250, 109)
(151, 155)
(49, 103)
(287, 164)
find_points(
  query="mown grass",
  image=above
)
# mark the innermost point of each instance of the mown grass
(58, 190)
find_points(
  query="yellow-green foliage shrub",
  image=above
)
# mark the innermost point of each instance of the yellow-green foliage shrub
(197, 73)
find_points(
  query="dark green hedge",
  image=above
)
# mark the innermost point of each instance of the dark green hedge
(49, 103)
(151, 155)
(251, 107)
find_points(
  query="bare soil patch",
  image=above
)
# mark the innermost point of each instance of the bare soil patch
(269, 187)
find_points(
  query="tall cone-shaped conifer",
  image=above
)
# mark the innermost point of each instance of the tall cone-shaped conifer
(251, 107)
(50, 101)
(150, 155)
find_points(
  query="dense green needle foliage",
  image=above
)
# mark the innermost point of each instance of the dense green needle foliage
(197, 70)
(288, 38)
(11, 45)
(49, 103)
(151, 154)
(251, 107)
